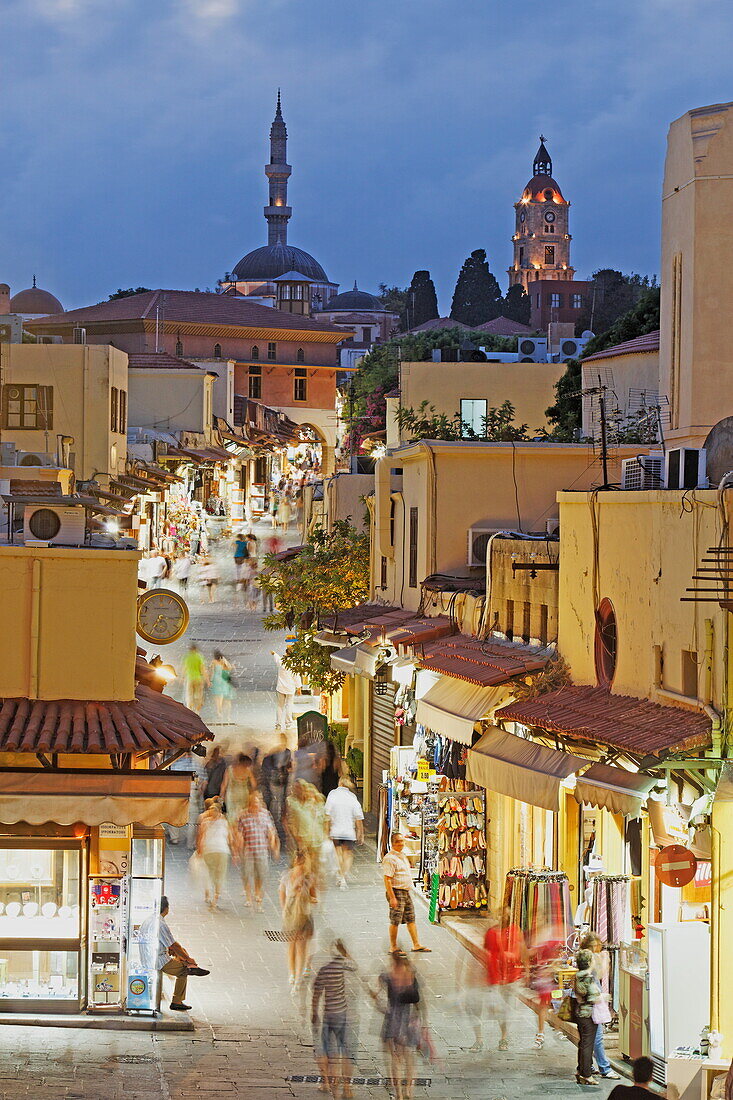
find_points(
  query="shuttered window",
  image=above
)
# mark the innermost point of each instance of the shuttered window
(27, 406)
(413, 548)
(383, 738)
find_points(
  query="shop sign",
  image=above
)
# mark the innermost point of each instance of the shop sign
(423, 770)
(108, 831)
(675, 865)
(312, 727)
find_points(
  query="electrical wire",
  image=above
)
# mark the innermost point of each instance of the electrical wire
(516, 487)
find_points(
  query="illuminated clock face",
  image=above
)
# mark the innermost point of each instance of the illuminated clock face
(550, 216)
(162, 616)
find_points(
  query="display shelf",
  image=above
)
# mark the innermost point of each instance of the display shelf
(107, 911)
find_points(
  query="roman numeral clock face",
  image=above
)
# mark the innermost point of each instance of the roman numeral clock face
(162, 616)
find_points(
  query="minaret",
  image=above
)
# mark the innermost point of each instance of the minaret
(277, 171)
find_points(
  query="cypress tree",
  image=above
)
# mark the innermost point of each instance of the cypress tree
(517, 305)
(477, 297)
(422, 301)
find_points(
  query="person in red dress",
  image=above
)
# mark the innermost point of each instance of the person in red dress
(506, 965)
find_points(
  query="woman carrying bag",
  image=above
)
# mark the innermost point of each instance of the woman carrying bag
(587, 994)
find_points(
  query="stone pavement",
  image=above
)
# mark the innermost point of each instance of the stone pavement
(252, 1039)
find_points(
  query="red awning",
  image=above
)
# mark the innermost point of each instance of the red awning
(151, 722)
(594, 714)
(479, 662)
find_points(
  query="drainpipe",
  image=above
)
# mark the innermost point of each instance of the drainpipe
(35, 629)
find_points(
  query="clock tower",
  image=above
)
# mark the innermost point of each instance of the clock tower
(541, 237)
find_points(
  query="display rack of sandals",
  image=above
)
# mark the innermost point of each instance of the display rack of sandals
(455, 846)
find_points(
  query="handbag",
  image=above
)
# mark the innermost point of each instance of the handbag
(567, 1010)
(601, 1013)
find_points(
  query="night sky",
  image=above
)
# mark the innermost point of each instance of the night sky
(134, 132)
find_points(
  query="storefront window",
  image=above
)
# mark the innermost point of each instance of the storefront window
(147, 857)
(39, 894)
(39, 975)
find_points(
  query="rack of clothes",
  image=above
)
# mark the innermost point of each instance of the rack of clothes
(610, 910)
(538, 901)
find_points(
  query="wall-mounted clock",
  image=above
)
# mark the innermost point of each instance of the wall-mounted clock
(162, 616)
(550, 216)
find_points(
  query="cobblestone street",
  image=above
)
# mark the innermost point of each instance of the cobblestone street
(251, 1038)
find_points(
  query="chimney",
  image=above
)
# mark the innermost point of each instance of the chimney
(4, 299)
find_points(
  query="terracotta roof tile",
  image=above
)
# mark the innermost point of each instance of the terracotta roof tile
(594, 714)
(648, 342)
(185, 305)
(485, 663)
(160, 360)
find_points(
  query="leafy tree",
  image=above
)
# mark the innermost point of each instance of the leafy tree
(566, 413)
(641, 319)
(394, 299)
(119, 293)
(610, 295)
(517, 305)
(329, 574)
(422, 301)
(477, 297)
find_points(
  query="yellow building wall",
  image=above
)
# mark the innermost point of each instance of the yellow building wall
(696, 353)
(649, 546)
(82, 376)
(73, 614)
(529, 386)
(621, 374)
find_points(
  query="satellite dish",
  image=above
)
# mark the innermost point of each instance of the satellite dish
(587, 335)
(719, 448)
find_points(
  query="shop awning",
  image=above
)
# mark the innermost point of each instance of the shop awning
(520, 768)
(594, 714)
(452, 707)
(482, 661)
(613, 789)
(359, 660)
(38, 795)
(344, 660)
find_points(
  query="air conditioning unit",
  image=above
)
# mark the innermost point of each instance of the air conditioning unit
(50, 340)
(54, 525)
(34, 458)
(478, 541)
(572, 347)
(552, 526)
(8, 454)
(686, 468)
(643, 472)
(532, 349)
(80, 335)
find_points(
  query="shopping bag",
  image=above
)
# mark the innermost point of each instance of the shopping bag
(198, 870)
(601, 1013)
(327, 859)
(566, 1011)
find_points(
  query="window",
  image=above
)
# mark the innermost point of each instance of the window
(543, 623)
(300, 356)
(549, 229)
(606, 643)
(509, 629)
(123, 412)
(366, 335)
(113, 409)
(255, 353)
(689, 673)
(473, 414)
(272, 350)
(179, 347)
(255, 383)
(521, 255)
(577, 301)
(217, 351)
(285, 292)
(556, 301)
(300, 384)
(549, 253)
(391, 522)
(27, 407)
(413, 548)
(383, 573)
(526, 622)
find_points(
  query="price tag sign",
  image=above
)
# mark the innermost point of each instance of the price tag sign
(423, 770)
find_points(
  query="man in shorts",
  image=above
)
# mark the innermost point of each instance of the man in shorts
(334, 1037)
(398, 883)
(346, 819)
(256, 840)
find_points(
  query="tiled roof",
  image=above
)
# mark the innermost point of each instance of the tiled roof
(159, 360)
(485, 663)
(648, 342)
(150, 722)
(420, 631)
(185, 306)
(346, 619)
(504, 326)
(594, 714)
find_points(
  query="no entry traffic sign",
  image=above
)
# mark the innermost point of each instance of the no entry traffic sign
(675, 865)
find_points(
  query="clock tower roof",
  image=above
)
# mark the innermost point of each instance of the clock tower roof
(542, 187)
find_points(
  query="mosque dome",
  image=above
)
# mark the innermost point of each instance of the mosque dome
(35, 302)
(272, 260)
(355, 300)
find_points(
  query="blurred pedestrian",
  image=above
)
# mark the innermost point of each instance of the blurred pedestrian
(181, 572)
(213, 846)
(305, 820)
(255, 840)
(239, 782)
(277, 767)
(285, 513)
(215, 768)
(288, 685)
(402, 1019)
(506, 964)
(587, 993)
(346, 823)
(600, 966)
(543, 958)
(333, 1038)
(222, 688)
(193, 667)
(274, 507)
(209, 575)
(298, 898)
(398, 884)
(241, 558)
(330, 770)
(157, 569)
